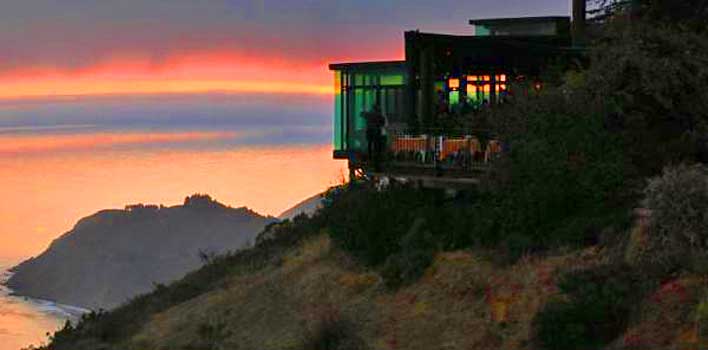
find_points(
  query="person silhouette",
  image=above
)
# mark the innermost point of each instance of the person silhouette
(374, 129)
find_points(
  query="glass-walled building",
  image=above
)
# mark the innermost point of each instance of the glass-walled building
(443, 81)
(358, 88)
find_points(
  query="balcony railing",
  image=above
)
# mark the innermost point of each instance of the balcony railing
(431, 150)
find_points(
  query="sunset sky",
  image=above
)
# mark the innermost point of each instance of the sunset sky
(88, 47)
(109, 103)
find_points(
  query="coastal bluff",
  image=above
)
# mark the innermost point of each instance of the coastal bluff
(114, 255)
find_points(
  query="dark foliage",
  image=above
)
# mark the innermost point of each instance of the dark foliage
(596, 311)
(690, 14)
(332, 332)
(371, 224)
(563, 177)
(396, 227)
(649, 81)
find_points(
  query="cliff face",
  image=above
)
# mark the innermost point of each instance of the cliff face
(114, 255)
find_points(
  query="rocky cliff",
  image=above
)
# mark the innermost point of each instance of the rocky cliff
(113, 255)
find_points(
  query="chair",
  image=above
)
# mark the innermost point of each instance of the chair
(494, 149)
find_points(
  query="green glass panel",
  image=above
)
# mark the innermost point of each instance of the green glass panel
(337, 139)
(357, 130)
(358, 80)
(454, 98)
(391, 79)
(481, 30)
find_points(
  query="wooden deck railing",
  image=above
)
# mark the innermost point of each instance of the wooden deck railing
(460, 151)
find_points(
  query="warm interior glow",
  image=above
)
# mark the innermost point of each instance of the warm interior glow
(454, 83)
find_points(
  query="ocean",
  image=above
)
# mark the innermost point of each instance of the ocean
(66, 158)
(25, 321)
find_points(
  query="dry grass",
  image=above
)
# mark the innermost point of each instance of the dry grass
(464, 301)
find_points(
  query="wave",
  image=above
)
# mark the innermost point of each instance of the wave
(46, 307)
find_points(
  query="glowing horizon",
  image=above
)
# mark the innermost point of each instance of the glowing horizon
(81, 87)
(189, 73)
(50, 194)
(26, 144)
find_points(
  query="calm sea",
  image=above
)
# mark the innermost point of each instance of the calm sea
(26, 321)
(64, 159)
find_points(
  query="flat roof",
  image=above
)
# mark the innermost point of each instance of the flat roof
(517, 20)
(553, 42)
(354, 66)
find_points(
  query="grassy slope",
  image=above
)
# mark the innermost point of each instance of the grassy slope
(462, 302)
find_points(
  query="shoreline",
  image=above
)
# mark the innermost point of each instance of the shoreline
(45, 306)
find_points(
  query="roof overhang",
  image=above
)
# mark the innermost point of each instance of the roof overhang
(518, 20)
(368, 66)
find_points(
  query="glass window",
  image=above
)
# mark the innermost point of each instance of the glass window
(357, 93)
(391, 79)
(453, 83)
(339, 122)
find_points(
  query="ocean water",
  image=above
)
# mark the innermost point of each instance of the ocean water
(25, 321)
(64, 159)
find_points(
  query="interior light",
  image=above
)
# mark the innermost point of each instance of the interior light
(454, 84)
(538, 86)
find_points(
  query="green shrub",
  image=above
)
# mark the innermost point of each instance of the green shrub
(400, 228)
(415, 255)
(661, 117)
(594, 312)
(702, 319)
(562, 177)
(371, 223)
(332, 332)
(678, 200)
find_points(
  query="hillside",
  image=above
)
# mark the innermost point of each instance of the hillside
(308, 206)
(114, 255)
(297, 290)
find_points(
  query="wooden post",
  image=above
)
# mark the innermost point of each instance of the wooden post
(426, 86)
(579, 22)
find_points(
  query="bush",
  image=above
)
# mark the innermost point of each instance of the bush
(660, 120)
(678, 200)
(595, 311)
(399, 229)
(371, 223)
(332, 332)
(562, 177)
(416, 254)
(702, 319)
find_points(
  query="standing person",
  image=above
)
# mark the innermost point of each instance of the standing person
(374, 126)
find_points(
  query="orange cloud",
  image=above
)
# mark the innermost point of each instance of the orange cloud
(198, 72)
(43, 143)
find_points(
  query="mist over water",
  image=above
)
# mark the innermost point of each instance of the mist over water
(64, 159)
